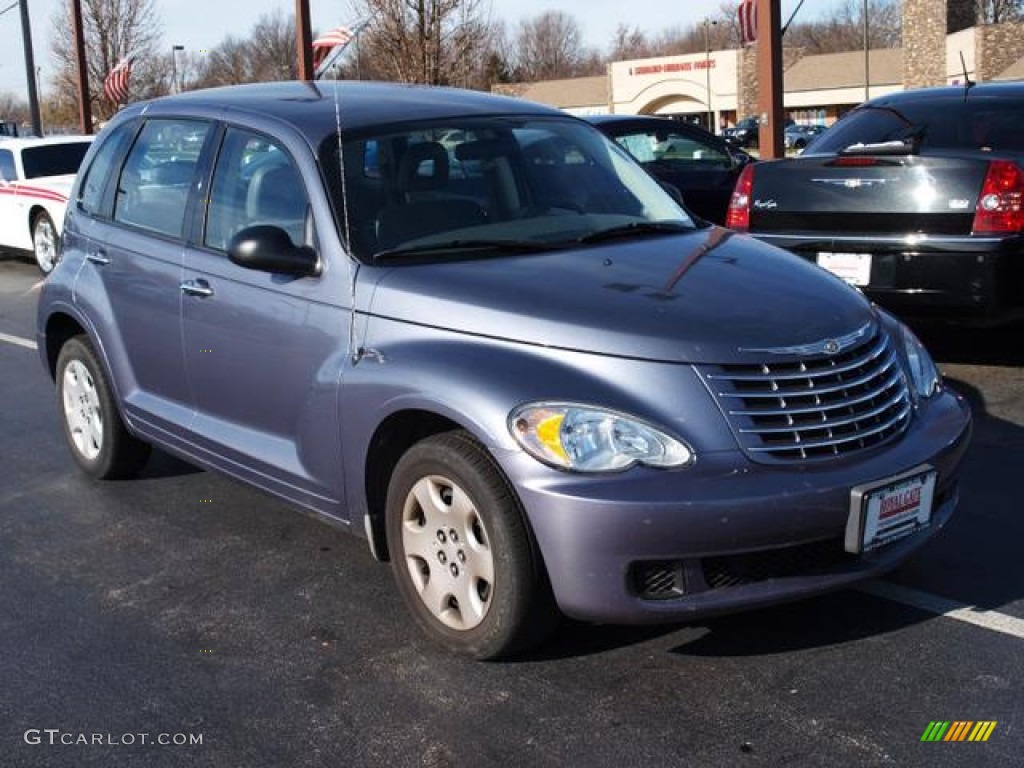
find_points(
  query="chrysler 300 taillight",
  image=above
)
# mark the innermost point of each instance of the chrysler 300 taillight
(1000, 207)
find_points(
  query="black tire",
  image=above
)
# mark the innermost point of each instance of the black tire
(85, 400)
(502, 611)
(45, 243)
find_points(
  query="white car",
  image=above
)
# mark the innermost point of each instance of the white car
(35, 179)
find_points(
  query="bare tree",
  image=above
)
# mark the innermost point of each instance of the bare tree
(13, 108)
(113, 29)
(629, 43)
(268, 53)
(843, 28)
(1000, 11)
(438, 42)
(550, 46)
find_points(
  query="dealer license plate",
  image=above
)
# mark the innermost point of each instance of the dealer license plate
(890, 509)
(854, 268)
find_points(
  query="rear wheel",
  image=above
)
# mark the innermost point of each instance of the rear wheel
(45, 244)
(461, 552)
(98, 439)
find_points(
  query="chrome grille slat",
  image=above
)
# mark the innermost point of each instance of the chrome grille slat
(902, 414)
(801, 406)
(879, 349)
(777, 393)
(899, 397)
(894, 378)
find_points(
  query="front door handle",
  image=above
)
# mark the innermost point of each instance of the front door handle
(196, 288)
(98, 257)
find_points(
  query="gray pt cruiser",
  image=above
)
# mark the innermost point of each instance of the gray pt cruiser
(474, 331)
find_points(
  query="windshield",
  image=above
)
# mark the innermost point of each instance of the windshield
(943, 123)
(537, 182)
(53, 159)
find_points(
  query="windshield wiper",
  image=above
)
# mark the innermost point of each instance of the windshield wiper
(458, 246)
(636, 228)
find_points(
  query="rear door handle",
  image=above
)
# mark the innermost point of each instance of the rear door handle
(98, 257)
(196, 288)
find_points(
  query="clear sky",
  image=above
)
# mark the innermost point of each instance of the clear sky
(199, 24)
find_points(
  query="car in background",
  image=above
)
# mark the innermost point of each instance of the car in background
(799, 136)
(746, 133)
(916, 198)
(702, 166)
(536, 386)
(35, 177)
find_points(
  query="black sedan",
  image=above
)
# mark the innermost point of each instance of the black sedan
(915, 197)
(702, 166)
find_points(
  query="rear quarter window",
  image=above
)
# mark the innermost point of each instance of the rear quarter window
(982, 124)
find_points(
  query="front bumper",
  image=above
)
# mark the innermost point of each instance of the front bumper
(968, 277)
(650, 546)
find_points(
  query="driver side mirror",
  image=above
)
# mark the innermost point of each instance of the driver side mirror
(270, 249)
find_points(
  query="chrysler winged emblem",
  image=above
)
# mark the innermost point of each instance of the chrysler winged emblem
(823, 347)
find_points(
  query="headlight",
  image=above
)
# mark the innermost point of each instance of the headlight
(585, 439)
(923, 373)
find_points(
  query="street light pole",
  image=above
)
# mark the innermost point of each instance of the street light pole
(175, 86)
(708, 23)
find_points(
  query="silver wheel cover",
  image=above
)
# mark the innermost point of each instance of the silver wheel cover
(448, 552)
(44, 244)
(82, 412)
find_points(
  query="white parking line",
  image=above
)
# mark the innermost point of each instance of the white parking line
(997, 622)
(18, 341)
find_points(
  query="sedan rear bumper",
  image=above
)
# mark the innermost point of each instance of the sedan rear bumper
(725, 534)
(957, 277)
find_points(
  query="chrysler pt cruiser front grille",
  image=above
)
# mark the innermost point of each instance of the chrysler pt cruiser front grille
(796, 407)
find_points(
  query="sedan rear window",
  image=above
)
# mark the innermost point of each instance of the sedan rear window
(982, 124)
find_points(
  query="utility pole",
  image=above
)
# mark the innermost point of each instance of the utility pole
(707, 72)
(867, 75)
(30, 70)
(84, 102)
(303, 40)
(769, 79)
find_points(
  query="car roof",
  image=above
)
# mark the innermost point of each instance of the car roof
(310, 106)
(1008, 90)
(609, 119)
(23, 142)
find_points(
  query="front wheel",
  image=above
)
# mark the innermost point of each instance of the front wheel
(98, 439)
(461, 552)
(45, 243)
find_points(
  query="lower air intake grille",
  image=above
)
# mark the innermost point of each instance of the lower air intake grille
(752, 567)
(658, 580)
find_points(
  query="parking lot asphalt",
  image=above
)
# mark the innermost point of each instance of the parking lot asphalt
(184, 608)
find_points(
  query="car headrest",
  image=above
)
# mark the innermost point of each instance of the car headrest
(423, 166)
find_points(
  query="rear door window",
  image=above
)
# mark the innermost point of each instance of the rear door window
(153, 188)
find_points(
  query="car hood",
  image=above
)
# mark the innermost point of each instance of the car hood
(709, 296)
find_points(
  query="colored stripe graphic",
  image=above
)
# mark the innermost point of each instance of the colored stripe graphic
(935, 730)
(958, 730)
(982, 730)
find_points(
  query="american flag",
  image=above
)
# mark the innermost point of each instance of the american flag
(328, 47)
(329, 40)
(747, 14)
(115, 84)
